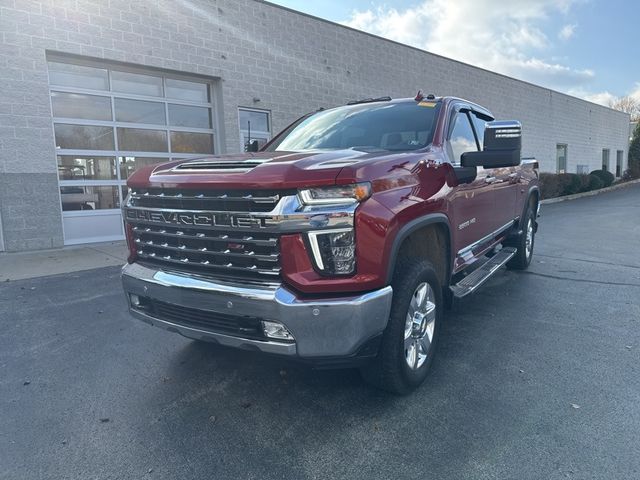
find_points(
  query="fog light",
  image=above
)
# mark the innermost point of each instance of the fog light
(134, 299)
(276, 330)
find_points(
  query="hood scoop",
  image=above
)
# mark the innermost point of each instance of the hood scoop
(222, 165)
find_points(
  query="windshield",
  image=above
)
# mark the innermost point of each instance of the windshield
(373, 126)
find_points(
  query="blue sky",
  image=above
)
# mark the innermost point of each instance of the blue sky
(586, 48)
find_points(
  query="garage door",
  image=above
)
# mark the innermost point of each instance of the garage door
(110, 121)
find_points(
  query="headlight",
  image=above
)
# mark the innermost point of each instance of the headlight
(334, 251)
(336, 195)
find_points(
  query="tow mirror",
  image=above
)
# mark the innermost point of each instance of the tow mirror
(502, 146)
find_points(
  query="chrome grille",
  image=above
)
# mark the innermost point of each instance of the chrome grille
(221, 201)
(190, 249)
(224, 249)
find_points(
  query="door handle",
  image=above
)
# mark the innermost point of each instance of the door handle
(513, 175)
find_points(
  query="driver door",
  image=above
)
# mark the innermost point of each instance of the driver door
(473, 204)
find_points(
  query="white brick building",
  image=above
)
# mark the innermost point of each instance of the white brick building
(90, 89)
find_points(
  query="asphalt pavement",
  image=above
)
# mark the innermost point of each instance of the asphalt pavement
(537, 377)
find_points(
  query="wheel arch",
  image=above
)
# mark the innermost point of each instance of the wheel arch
(532, 196)
(438, 223)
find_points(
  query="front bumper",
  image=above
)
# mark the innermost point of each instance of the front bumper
(328, 327)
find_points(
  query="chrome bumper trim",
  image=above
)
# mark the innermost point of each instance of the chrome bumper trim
(322, 327)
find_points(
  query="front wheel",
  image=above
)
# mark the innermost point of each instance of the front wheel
(522, 258)
(409, 341)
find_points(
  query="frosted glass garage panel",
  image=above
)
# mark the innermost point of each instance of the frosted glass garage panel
(78, 105)
(142, 140)
(86, 167)
(139, 111)
(184, 90)
(189, 116)
(87, 198)
(136, 83)
(92, 228)
(187, 142)
(80, 76)
(83, 137)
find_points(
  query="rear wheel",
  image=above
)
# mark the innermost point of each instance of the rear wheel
(409, 341)
(522, 258)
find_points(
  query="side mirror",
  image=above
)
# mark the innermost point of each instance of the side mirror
(502, 146)
(252, 146)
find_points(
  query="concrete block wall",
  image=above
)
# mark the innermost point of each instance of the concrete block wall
(291, 62)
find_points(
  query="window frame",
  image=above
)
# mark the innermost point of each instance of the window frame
(608, 157)
(452, 121)
(566, 157)
(619, 163)
(478, 115)
(260, 134)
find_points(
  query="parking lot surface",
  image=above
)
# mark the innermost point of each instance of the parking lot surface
(537, 377)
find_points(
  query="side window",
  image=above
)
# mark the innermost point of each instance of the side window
(461, 138)
(480, 124)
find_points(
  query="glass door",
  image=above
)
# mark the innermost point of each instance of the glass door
(561, 158)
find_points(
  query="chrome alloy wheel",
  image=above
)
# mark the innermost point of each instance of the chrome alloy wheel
(528, 246)
(419, 326)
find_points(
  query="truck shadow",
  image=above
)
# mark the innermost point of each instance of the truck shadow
(268, 405)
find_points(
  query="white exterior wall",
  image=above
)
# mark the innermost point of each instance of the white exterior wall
(292, 62)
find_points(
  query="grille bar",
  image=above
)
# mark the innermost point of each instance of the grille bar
(211, 200)
(201, 196)
(269, 242)
(205, 251)
(229, 267)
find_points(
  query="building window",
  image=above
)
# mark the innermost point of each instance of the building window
(582, 169)
(619, 161)
(109, 121)
(561, 158)
(254, 125)
(605, 159)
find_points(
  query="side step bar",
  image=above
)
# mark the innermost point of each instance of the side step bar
(472, 282)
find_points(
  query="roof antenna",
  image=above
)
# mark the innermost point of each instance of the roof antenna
(419, 96)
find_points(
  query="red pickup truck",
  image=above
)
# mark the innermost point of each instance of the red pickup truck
(341, 241)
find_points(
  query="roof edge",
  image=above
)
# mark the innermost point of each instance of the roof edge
(330, 22)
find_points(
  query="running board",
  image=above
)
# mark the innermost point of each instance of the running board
(471, 282)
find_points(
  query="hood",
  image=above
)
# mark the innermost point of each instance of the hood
(261, 170)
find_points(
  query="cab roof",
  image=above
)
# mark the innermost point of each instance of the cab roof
(427, 98)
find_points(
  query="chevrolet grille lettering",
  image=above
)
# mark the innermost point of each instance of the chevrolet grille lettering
(200, 219)
(203, 219)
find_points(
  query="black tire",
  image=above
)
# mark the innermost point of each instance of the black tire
(523, 256)
(390, 369)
